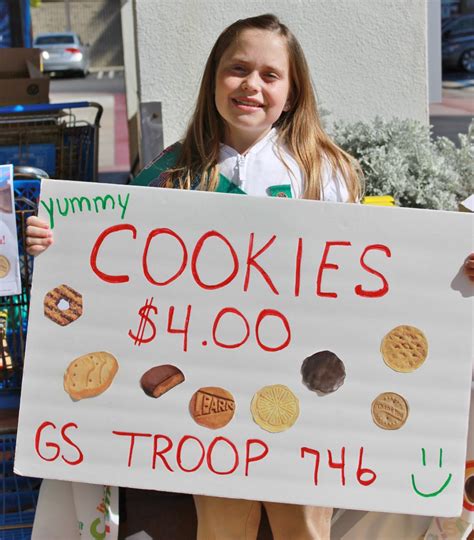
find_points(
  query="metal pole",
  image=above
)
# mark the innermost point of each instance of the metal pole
(67, 10)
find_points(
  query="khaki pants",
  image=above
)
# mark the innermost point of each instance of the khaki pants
(239, 519)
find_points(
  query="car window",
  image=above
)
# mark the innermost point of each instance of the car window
(463, 25)
(54, 40)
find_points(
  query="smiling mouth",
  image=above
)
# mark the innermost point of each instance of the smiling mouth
(247, 103)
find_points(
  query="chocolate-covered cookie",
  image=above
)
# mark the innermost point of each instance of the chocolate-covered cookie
(469, 489)
(323, 372)
(159, 379)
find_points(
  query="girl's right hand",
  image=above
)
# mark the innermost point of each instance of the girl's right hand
(38, 236)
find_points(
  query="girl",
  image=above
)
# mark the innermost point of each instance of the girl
(255, 130)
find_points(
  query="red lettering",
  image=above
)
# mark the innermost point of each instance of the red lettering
(217, 320)
(38, 436)
(184, 260)
(251, 261)
(340, 465)
(317, 455)
(209, 455)
(299, 255)
(161, 452)
(384, 289)
(251, 459)
(178, 453)
(95, 251)
(323, 265)
(132, 441)
(272, 313)
(184, 330)
(196, 253)
(362, 471)
(66, 439)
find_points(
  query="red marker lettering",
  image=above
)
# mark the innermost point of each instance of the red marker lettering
(384, 289)
(178, 453)
(251, 261)
(184, 258)
(317, 460)
(340, 465)
(361, 471)
(323, 265)
(258, 457)
(161, 452)
(38, 436)
(196, 253)
(299, 255)
(80, 455)
(132, 441)
(209, 455)
(95, 251)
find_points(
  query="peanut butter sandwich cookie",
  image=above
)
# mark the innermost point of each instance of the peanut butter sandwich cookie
(389, 410)
(159, 379)
(212, 407)
(404, 348)
(63, 305)
(275, 408)
(323, 372)
(90, 375)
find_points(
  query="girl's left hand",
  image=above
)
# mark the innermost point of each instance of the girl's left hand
(469, 266)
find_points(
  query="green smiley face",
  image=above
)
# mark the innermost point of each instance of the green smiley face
(438, 491)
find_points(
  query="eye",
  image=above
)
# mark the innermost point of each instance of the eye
(271, 76)
(238, 68)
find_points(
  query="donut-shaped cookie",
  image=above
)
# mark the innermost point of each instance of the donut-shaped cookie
(63, 305)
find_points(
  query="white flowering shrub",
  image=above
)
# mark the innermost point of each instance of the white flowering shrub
(400, 158)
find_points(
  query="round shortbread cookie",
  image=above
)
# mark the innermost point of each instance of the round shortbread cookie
(4, 266)
(275, 408)
(404, 348)
(90, 375)
(389, 410)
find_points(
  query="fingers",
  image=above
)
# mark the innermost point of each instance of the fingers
(38, 236)
(469, 266)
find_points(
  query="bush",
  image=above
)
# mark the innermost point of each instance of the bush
(400, 158)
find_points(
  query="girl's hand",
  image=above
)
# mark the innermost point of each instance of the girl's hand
(38, 236)
(469, 266)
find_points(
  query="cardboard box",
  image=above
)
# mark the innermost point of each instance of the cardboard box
(21, 78)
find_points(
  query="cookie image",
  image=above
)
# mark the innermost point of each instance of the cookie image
(404, 348)
(159, 379)
(4, 266)
(389, 410)
(90, 375)
(275, 408)
(323, 372)
(212, 407)
(468, 500)
(63, 305)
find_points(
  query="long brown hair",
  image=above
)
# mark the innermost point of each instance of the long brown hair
(299, 128)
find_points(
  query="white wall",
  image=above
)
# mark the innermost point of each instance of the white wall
(368, 57)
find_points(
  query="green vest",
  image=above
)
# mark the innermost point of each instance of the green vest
(167, 160)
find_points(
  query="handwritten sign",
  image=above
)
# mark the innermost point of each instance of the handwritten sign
(9, 267)
(268, 349)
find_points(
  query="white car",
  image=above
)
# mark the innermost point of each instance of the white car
(63, 52)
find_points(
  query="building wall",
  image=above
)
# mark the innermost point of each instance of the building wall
(367, 57)
(96, 21)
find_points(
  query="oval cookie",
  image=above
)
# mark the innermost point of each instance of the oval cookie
(323, 372)
(212, 407)
(389, 410)
(90, 375)
(275, 408)
(4, 266)
(404, 348)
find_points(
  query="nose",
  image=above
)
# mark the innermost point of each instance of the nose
(250, 83)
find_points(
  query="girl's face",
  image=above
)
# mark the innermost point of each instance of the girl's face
(252, 86)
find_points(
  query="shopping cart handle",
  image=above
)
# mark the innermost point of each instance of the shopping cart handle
(50, 107)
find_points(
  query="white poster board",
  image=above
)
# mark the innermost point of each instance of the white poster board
(236, 293)
(10, 282)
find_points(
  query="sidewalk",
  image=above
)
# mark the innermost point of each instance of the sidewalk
(456, 111)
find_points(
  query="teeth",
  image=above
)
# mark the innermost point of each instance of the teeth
(248, 103)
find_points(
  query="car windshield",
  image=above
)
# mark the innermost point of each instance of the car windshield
(54, 40)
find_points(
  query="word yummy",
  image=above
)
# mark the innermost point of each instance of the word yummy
(73, 205)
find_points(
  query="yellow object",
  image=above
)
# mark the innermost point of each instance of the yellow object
(275, 408)
(379, 200)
